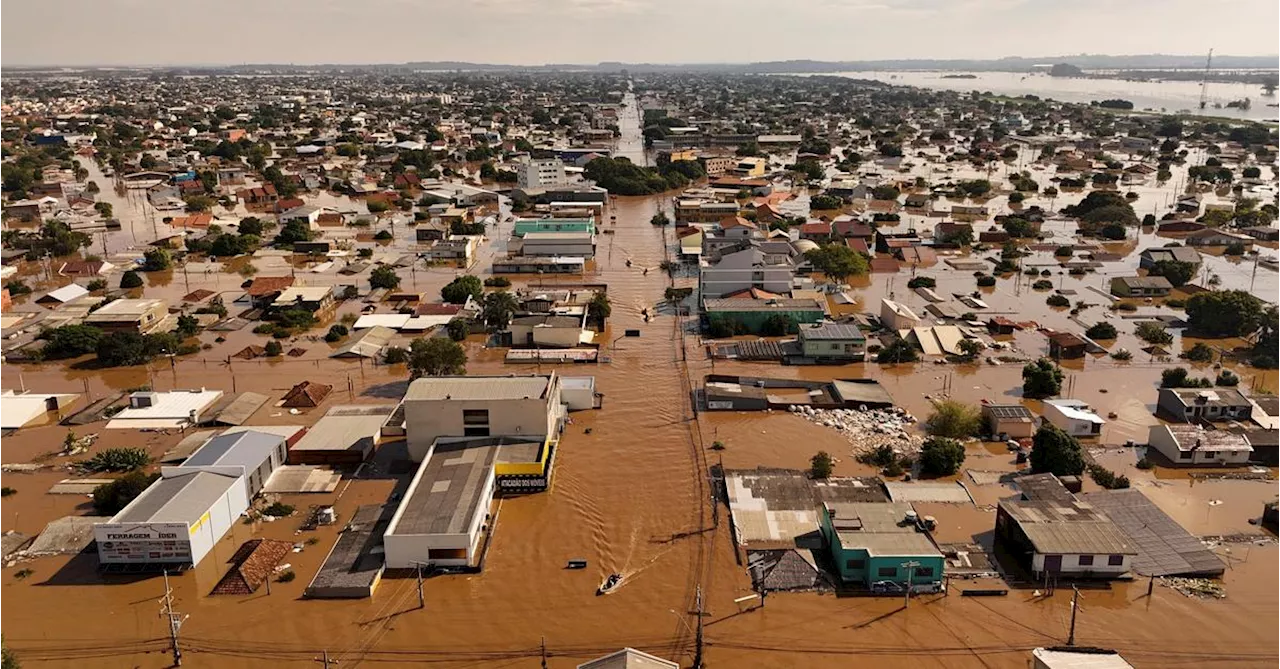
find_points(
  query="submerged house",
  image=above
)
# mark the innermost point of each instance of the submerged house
(873, 544)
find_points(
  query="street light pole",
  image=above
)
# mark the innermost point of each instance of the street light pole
(911, 574)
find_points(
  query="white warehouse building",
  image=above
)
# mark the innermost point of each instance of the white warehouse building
(179, 518)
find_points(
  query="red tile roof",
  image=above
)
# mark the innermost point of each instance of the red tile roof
(266, 285)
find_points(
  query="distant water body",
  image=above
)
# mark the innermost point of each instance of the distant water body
(1159, 96)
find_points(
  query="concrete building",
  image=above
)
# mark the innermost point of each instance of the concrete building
(541, 173)
(753, 313)
(1149, 257)
(1194, 445)
(141, 316)
(1073, 417)
(175, 409)
(1077, 658)
(876, 543)
(1063, 537)
(345, 436)
(1140, 286)
(525, 407)
(750, 168)
(897, 316)
(524, 226)
(20, 409)
(841, 342)
(1193, 405)
(629, 658)
(182, 516)
(1009, 421)
(745, 265)
(549, 330)
(445, 510)
(554, 244)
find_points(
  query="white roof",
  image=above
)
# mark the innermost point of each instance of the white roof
(1076, 410)
(900, 309)
(175, 405)
(393, 321)
(18, 410)
(68, 292)
(304, 293)
(1065, 659)
(417, 323)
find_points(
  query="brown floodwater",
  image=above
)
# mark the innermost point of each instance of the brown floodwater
(631, 496)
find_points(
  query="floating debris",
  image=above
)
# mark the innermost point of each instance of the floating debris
(867, 430)
(1204, 588)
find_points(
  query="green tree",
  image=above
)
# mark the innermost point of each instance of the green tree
(953, 419)
(116, 460)
(155, 260)
(1101, 330)
(1179, 377)
(130, 279)
(660, 218)
(940, 456)
(1056, 452)
(458, 329)
(336, 332)
(294, 231)
(1041, 379)
(7, 659)
(970, 348)
(496, 309)
(110, 498)
(273, 349)
(821, 465)
(384, 276)
(777, 325)
(436, 356)
(251, 225)
(187, 326)
(458, 290)
(1176, 272)
(837, 261)
(70, 341)
(599, 309)
(899, 350)
(1199, 353)
(119, 349)
(1153, 332)
(1227, 313)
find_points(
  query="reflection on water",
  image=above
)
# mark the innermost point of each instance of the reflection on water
(1161, 96)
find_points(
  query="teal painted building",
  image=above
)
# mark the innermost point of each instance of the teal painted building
(526, 225)
(874, 542)
(753, 313)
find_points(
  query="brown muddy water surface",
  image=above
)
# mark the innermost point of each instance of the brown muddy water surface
(633, 496)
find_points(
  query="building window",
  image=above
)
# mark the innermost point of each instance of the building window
(1115, 560)
(479, 431)
(475, 416)
(924, 571)
(887, 572)
(1086, 560)
(1184, 455)
(855, 564)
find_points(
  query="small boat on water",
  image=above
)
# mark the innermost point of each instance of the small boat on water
(610, 583)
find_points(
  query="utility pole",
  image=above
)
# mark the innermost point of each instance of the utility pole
(544, 652)
(697, 656)
(422, 600)
(175, 621)
(1071, 636)
(911, 574)
(324, 657)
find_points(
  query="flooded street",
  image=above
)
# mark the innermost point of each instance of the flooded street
(631, 496)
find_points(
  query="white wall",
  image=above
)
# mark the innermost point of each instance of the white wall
(404, 551)
(1162, 440)
(1071, 565)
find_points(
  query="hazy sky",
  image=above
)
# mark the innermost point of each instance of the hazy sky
(142, 32)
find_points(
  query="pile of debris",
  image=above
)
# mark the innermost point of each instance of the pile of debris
(867, 430)
(1203, 588)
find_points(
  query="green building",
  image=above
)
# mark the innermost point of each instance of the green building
(873, 542)
(833, 341)
(753, 313)
(526, 225)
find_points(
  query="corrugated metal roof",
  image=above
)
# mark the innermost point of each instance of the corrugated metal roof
(447, 492)
(246, 449)
(178, 499)
(1164, 547)
(478, 388)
